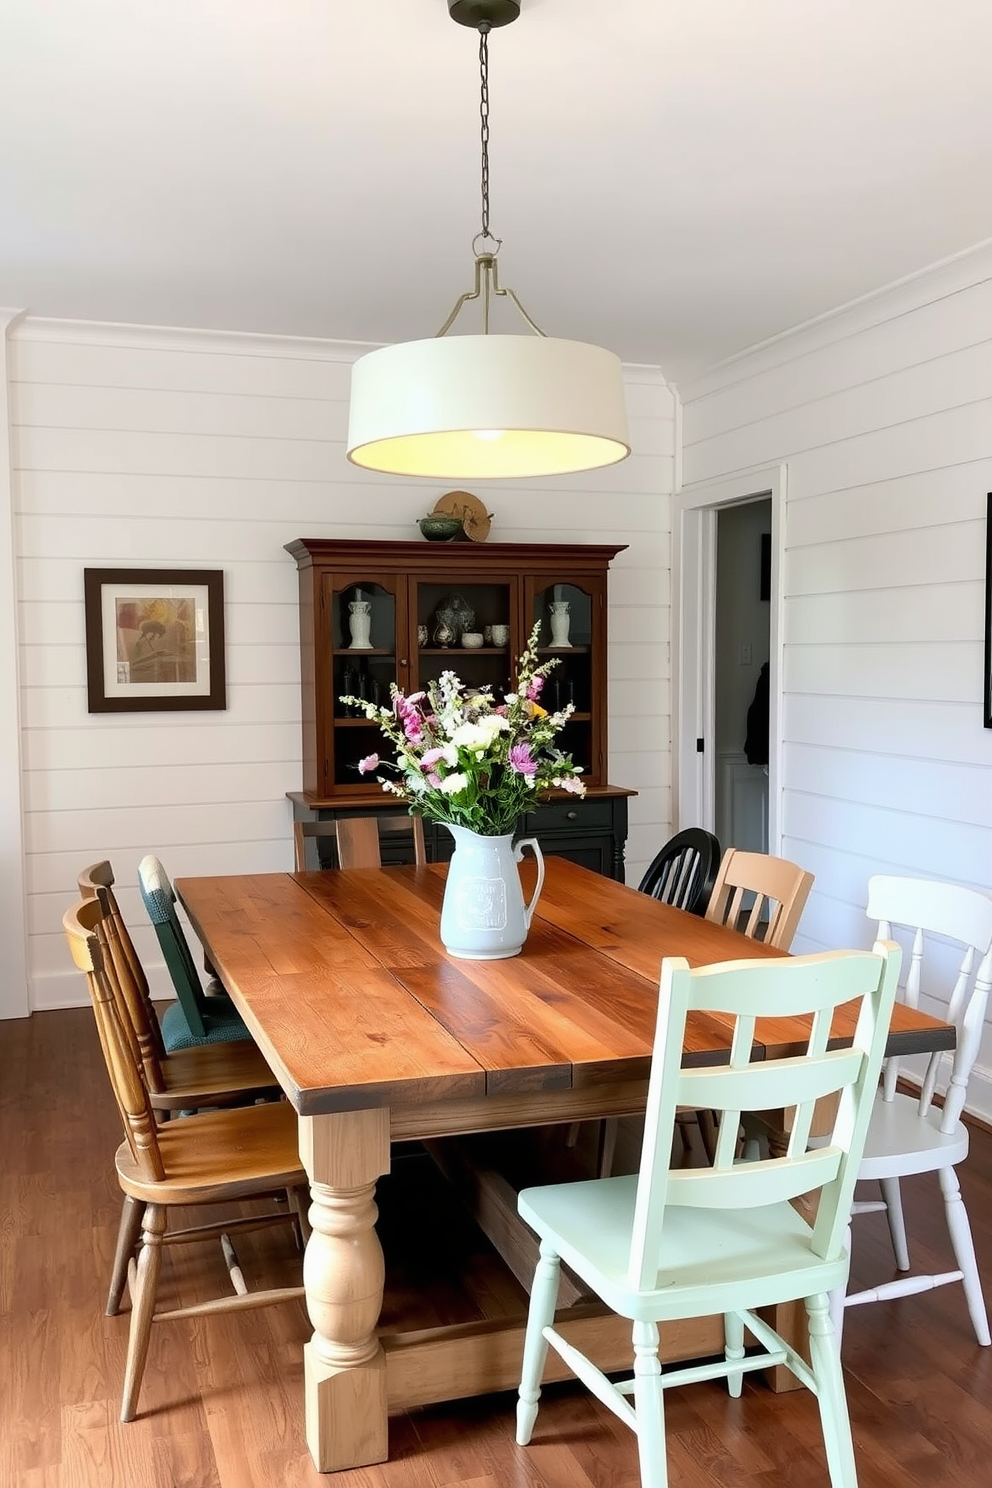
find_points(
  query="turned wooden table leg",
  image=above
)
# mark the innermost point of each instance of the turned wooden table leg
(344, 1366)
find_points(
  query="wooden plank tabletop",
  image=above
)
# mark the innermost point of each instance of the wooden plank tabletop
(329, 1019)
(344, 983)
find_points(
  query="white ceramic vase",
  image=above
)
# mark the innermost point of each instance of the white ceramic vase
(483, 915)
(360, 624)
(560, 622)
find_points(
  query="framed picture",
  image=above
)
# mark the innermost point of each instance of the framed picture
(154, 639)
(988, 612)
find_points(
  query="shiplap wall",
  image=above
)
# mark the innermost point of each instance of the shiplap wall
(140, 447)
(883, 415)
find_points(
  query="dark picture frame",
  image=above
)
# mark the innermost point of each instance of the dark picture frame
(988, 612)
(154, 639)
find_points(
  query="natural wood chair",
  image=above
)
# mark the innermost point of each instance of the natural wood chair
(221, 1156)
(357, 839)
(186, 1077)
(909, 1134)
(780, 890)
(662, 1245)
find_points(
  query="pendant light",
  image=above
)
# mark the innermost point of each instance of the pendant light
(469, 407)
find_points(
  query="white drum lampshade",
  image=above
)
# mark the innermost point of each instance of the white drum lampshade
(487, 407)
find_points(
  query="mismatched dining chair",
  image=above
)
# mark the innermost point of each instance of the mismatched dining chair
(209, 1019)
(779, 888)
(682, 874)
(217, 1157)
(357, 839)
(684, 871)
(185, 1075)
(950, 928)
(662, 1245)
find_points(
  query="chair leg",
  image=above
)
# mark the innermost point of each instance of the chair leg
(834, 1419)
(649, 1405)
(608, 1132)
(892, 1194)
(543, 1297)
(838, 1297)
(964, 1251)
(127, 1239)
(733, 1333)
(143, 1306)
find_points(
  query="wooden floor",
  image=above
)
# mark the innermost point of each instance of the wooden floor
(222, 1400)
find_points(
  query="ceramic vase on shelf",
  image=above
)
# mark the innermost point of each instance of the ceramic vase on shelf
(560, 621)
(360, 624)
(483, 914)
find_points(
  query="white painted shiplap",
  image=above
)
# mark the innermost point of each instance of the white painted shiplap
(883, 416)
(149, 447)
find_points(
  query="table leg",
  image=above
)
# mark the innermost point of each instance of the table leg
(344, 1366)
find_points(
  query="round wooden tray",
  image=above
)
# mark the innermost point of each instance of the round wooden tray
(476, 521)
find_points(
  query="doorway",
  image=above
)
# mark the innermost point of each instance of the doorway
(700, 730)
(742, 639)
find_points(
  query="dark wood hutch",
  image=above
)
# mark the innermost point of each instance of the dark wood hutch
(374, 613)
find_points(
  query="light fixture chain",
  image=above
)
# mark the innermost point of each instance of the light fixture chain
(484, 118)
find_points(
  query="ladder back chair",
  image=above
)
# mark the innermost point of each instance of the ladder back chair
(780, 890)
(666, 1244)
(358, 839)
(218, 1157)
(208, 1019)
(949, 927)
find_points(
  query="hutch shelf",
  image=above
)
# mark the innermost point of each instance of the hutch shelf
(374, 613)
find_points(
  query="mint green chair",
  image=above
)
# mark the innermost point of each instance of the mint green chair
(197, 1019)
(664, 1244)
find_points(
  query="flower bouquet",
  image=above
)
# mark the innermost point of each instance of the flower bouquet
(469, 759)
(477, 763)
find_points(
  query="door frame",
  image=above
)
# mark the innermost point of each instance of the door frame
(694, 526)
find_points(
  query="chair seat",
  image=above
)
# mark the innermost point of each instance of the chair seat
(222, 1027)
(901, 1141)
(213, 1074)
(709, 1259)
(200, 1153)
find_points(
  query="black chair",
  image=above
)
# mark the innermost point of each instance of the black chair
(684, 872)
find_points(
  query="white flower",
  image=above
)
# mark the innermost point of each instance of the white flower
(452, 784)
(480, 735)
(570, 783)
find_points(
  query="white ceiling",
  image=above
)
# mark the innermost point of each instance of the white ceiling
(675, 179)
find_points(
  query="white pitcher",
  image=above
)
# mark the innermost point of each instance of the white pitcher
(483, 916)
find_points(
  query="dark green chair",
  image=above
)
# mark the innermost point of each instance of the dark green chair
(198, 1019)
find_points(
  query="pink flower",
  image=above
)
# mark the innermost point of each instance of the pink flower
(430, 757)
(370, 762)
(521, 761)
(534, 690)
(434, 779)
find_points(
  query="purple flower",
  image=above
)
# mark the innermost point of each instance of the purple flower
(370, 762)
(521, 761)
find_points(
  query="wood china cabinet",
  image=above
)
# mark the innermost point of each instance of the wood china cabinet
(375, 613)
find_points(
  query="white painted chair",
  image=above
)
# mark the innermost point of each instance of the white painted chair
(667, 1244)
(909, 1134)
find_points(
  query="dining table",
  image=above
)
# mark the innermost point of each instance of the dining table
(377, 1036)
